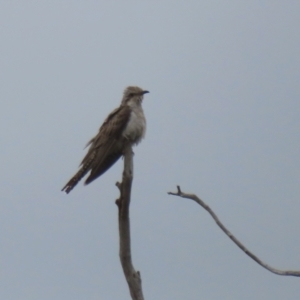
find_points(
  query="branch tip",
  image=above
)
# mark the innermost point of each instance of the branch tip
(179, 193)
(178, 190)
(118, 185)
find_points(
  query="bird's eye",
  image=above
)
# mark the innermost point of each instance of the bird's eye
(131, 95)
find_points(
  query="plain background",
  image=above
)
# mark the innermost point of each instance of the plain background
(223, 122)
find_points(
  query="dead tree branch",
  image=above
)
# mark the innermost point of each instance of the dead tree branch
(231, 236)
(133, 277)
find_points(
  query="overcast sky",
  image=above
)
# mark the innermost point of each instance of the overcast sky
(222, 121)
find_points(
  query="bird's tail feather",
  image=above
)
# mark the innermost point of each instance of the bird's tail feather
(78, 176)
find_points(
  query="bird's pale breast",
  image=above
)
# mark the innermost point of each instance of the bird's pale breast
(136, 126)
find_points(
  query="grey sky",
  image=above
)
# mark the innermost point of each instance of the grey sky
(223, 122)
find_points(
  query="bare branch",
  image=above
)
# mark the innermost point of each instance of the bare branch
(231, 236)
(133, 277)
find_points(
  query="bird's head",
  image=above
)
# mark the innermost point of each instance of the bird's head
(133, 95)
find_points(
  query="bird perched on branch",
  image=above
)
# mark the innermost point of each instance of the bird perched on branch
(124, 126)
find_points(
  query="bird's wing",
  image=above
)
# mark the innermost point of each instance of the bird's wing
(106, 147)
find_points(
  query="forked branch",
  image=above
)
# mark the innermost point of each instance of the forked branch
(231, 236)
(133, 277)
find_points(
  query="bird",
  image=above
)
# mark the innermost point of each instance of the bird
(126, 125)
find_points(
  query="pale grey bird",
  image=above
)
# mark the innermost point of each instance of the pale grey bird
(125, 125)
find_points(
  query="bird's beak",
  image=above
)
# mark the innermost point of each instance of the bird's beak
(145, 92)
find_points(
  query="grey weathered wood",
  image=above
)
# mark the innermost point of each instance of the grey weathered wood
(132, 276)
(231, 236)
